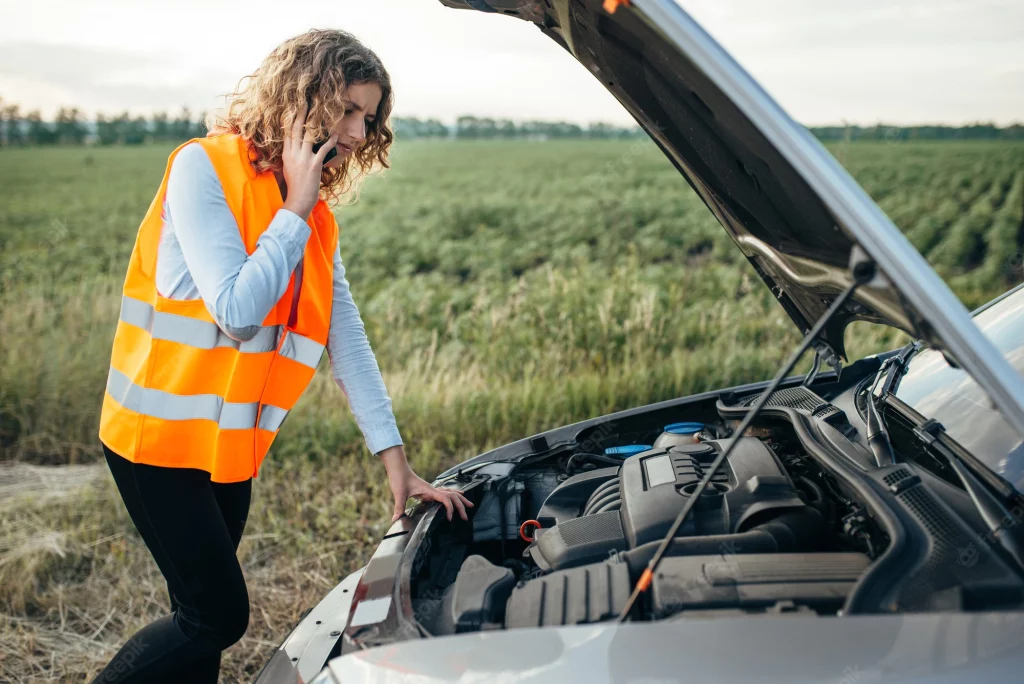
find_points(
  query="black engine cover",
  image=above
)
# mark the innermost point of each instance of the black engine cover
(653, 486)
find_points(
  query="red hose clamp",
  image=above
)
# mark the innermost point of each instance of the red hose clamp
(522, 529)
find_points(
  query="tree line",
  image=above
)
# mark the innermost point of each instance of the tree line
(483, 127)
(71, 127)
(975, 131)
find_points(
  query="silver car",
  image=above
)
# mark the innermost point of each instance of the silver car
(861, 523)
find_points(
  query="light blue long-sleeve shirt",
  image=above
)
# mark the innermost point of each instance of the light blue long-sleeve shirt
(201, 255)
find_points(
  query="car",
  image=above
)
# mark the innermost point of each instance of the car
(860, 522)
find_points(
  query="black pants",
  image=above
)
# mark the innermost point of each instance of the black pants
(192, 527)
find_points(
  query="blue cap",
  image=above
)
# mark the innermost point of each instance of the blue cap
(684, 428)
(627, 450)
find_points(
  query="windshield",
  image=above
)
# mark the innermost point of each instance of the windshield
(936, 390)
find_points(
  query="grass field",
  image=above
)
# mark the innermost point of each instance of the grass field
(506, 288)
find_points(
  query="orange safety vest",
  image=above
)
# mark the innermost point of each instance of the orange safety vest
(182, 393)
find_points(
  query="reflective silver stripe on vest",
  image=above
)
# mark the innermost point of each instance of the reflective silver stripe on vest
(168, 406)
(159, 404)
(137, 313)
(271, 417)
(301, 349)
(193, 332)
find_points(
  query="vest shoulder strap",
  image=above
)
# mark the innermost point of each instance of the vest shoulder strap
(229, 154)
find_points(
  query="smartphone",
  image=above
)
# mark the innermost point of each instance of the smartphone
(330, 155)
(317, 145)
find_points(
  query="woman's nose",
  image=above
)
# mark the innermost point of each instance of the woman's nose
(357, 131)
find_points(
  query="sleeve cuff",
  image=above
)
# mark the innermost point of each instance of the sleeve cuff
(292, 230)
(380, 437)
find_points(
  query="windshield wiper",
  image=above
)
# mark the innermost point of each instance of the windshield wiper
(991, 509)
(877, 434)
(885, 382)
(897, 367)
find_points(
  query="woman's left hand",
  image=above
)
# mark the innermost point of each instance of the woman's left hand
(405, 483)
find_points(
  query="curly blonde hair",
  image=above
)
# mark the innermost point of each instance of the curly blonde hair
(317, 66)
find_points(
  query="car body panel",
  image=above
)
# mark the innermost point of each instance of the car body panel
(378, 604)
(792, 649)
(309, 645)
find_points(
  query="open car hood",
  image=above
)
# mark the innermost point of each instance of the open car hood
(795, 213)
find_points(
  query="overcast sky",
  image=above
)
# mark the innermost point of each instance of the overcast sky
(898, 61)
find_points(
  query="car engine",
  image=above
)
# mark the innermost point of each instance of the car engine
(799, 519)
(633, 505)
(771, 533)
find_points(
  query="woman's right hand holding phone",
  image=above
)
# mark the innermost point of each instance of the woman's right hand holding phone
(303, 167)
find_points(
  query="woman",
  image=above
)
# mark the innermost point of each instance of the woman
(234, 289)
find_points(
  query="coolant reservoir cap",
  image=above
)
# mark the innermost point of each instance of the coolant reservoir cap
(684, 428)
(627, 450)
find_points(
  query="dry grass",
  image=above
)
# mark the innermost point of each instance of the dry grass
(77, 580)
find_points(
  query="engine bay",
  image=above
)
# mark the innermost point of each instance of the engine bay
(793, 522)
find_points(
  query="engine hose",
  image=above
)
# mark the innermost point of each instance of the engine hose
(612, 495)
(798, 530)
(613, 505)
(570, 465)
(604, 487)
(820, 502)
(599, 493)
